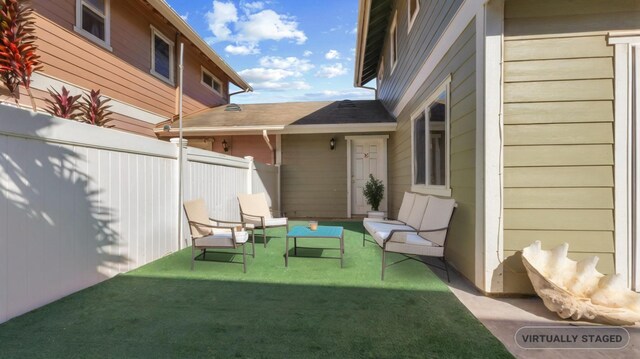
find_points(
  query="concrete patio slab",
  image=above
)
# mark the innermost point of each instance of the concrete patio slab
(504, 316)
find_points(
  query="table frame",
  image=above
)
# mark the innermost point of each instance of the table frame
(295, 244)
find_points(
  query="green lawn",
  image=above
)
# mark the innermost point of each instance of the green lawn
(312, 309)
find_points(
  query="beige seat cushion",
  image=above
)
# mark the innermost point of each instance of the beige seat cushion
(255, 205)
(411, 243)
(437, 215)
(221, 238)
(405, 207)
(196, 211)
(417, 211)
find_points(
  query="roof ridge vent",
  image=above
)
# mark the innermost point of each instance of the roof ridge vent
(233, 107)
(346, 104)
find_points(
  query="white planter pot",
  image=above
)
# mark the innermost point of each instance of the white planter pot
(376, 214)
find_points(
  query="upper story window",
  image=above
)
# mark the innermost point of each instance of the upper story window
(93, 21)
(430, 144)
(413, 6)
(211, 81)
(161, 56)
(393, 42)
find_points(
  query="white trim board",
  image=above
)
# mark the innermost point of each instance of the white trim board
(40, 81)
(284, 130)
(461, 19)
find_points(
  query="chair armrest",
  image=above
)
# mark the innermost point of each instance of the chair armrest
(394, 231)
(230, 222)
(251, 215)
(198, 224)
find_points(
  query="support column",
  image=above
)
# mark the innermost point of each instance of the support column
(180, 180)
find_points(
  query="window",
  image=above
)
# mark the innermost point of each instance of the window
(211, 81)
(430, 147)
(92, 21)
(393, 42)
(161, 56)
(413, 6)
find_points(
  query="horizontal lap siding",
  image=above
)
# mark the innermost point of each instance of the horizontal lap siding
(459, 62)
(124, 73)
(313, 177)
(558, 129)
(413, 47)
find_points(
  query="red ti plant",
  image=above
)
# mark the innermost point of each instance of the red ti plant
(95, 110)
(18, 59)
(63, 105)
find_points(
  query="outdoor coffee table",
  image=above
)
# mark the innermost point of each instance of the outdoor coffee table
(305, 232)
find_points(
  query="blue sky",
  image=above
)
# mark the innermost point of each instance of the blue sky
(288, 50)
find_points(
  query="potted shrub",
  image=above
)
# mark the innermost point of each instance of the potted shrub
(373, 193)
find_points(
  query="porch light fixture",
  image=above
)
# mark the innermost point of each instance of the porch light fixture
(225, 145)
(332, 144)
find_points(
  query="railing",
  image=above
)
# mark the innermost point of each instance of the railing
(80, 204)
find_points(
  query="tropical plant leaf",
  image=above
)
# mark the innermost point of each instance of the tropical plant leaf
(95, 109)
(63, 104)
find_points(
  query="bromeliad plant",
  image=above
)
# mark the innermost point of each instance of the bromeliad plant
(63, 104)
(95, 110)
(18, 58)
(373, 192)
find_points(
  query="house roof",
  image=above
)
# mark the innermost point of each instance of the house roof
(373, 21)
(167, 12)
(288, 117)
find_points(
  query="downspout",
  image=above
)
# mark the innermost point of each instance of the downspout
(266, 139)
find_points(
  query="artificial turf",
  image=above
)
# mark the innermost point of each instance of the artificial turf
(312, 309)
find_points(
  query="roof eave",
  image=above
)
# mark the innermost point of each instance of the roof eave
(167, 11)
(288, 129)
(361, 43)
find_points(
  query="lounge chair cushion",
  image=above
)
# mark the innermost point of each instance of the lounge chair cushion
(436, 216)
(275, 222)
(196, 211)
(221, 238)
(380, 231)
(417, 211)
(411, 243)
(254, 204)
(405, 207)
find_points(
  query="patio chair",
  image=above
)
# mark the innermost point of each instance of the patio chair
(213, 233)
(430, 238)
(255, 210)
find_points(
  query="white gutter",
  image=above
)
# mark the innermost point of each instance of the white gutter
(291, 129)
(168, 13)
(266, 139)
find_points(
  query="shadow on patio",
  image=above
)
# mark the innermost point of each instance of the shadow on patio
(311, 309)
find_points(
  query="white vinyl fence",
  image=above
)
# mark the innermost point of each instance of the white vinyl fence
(80, 204)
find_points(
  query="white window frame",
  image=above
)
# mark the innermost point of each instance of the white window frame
(215, 79)
(393, 40)
(443, 190)
(106, 43)
(412, 19)
(156, 32)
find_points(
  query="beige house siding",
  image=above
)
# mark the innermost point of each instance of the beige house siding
(558, 128)
(124, 73)
(314, 178)
(460, 63)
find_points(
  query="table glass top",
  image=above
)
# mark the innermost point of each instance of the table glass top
(322, 231)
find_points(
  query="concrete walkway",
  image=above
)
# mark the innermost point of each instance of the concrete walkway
(504, 316)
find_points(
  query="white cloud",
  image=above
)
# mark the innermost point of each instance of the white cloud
(185, 17)
(281, 86)
(260, 74)
(269, 25)
(253, 6)
(250, 49)
(331, 71)
(332, 55)
(287, 63)
(222, 14)
(307, 53)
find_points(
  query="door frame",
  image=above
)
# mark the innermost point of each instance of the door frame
(383, 140)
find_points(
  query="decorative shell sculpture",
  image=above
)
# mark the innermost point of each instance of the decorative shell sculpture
(577, 290)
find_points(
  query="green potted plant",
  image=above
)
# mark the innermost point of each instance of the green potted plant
(374, 192)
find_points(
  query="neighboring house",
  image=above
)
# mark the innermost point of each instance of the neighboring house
(129, 50)
(523, 111)
(318, 180)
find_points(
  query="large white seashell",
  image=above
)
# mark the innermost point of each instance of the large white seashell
(577, 290)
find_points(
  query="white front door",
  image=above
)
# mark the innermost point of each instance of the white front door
(367, 157)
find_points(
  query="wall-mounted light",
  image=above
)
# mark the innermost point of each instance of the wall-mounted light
(332, 144)
(225, 145)
(166, 128)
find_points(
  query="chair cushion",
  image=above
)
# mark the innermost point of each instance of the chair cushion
(405, 207)
(437, 215)
(417, 211)
(380, 231)
(414, 244)
(254, 204)
(275, 222)
(196, 211)
(221, 238)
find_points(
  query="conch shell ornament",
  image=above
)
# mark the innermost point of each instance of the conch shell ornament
(577, 290)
